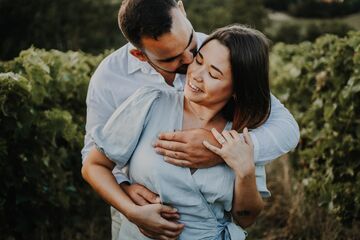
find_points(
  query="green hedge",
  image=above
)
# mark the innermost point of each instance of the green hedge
(295, 32)
(320, 84)
(42, 117)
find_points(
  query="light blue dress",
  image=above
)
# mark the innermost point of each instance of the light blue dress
(203, 199)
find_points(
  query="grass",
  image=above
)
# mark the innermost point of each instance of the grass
(290, 215)
(353, 20)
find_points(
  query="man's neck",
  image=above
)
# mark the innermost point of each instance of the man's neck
(168, 77)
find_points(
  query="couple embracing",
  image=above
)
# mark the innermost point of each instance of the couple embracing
(191, 119)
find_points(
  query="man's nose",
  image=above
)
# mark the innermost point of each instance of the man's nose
(187, 57)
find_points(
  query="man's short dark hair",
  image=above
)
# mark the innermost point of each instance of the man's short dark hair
(145, 18)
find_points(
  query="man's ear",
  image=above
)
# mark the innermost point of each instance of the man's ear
(181, 7)
(138, 54)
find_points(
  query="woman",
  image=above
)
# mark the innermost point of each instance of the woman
(226, 90)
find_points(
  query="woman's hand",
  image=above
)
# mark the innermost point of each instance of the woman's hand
(149, 219)
(237, 151)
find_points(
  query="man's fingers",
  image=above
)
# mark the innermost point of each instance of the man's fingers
(163, 234)
(172, 136)
(212, 148)
(172, 154)
(167, 209)
(177, 162)
(139, 194)
(139, 199)
(148, 233)
(149, 196)
(170, 216)
(171, 226)
(170, 145)
(172, 234)
(163, 237)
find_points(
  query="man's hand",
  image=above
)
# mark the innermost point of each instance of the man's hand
(149, 220)
(186, 149)
(142, 196)
(139, 194)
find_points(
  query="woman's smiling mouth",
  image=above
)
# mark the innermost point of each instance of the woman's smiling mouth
(194, 88)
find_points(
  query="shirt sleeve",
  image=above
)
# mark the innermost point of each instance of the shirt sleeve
(120, 135)
(277, 136)
(100, 106)
(260, 175)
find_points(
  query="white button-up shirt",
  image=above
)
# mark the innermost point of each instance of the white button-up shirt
(120, 74)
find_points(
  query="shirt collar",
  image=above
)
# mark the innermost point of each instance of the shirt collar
(135, 64)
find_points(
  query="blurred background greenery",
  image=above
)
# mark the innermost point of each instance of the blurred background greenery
(91, 25)
(315, 189)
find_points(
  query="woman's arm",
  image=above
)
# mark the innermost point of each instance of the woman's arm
(238, 153)
(96, 171)
(247, 202)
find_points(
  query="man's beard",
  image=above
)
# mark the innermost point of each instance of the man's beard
(182, 69)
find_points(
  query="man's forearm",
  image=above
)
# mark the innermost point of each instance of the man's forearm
(101, 179)
(277, 136)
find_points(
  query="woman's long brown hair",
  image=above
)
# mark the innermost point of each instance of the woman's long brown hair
(249, 59)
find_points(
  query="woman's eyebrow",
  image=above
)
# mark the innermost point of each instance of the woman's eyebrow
(217, 69)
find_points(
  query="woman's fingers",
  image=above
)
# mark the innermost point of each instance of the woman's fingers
(235, 135)
(212, 148)
(227, 136)
(218, 136)
(247, 137)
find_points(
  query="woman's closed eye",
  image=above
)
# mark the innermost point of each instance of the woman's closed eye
(199, 60)
(211, 75)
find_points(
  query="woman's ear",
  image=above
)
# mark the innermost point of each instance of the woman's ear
(181, 7)
(138, 54)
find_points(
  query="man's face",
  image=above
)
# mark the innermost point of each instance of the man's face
(174, 51)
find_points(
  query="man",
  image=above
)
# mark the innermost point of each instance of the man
(162, 45)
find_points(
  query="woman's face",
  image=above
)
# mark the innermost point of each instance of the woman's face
(208, 80)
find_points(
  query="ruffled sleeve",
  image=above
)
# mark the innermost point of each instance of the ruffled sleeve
(120, 135)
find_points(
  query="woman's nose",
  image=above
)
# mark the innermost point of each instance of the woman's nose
(197, 75)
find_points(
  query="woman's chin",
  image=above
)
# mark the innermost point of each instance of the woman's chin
(190, 95)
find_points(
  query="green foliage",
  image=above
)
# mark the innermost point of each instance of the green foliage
(206, 16)
(320, 84)
(42, 114)
(315, 8)
(295, 32)
(88, 25)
